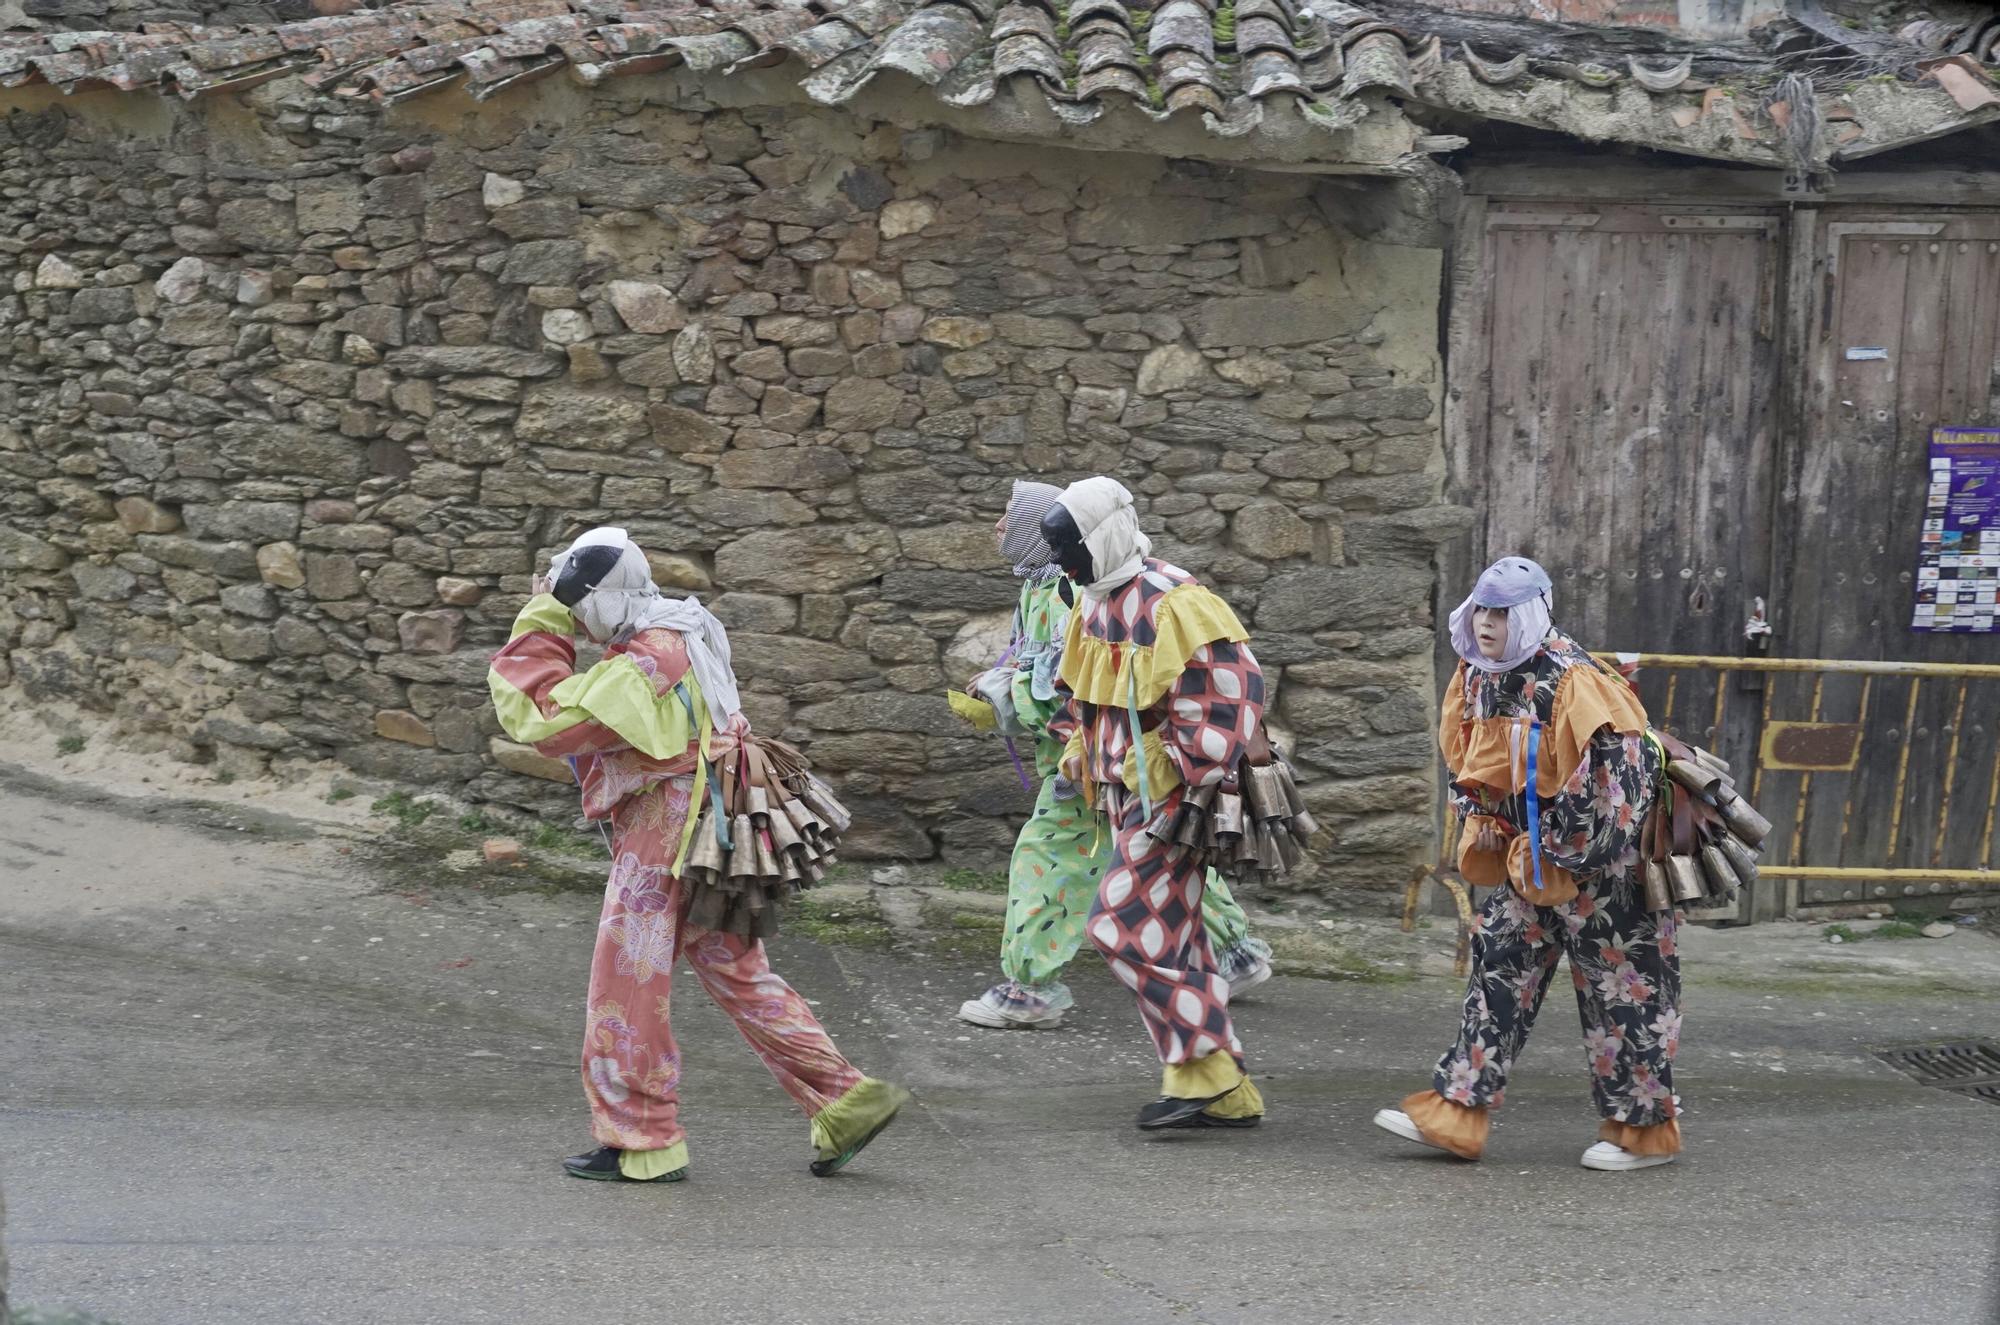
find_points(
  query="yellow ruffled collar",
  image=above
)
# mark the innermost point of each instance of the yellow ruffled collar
(1185, 617)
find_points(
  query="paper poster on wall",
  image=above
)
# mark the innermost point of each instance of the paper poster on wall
(1958, 566)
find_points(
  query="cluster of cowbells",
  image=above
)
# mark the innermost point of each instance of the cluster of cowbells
(1250, 827)
(1703, 840)
(769, 831)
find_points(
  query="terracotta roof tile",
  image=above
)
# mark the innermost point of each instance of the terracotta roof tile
(1231, 65)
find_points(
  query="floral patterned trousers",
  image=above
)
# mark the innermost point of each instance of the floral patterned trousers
(631, 1065)
(1627, 975)
(1147, 923)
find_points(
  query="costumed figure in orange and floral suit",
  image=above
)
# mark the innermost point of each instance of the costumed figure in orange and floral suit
(1554, 772)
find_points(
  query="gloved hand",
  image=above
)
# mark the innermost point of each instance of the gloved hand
(1161, 774)
(1070, 766)
(1482, 851)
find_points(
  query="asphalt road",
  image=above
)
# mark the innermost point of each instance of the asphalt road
(245, 1079)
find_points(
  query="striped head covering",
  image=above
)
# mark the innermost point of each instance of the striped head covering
(1023, 544)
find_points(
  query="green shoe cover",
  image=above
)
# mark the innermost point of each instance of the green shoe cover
(844, 1127)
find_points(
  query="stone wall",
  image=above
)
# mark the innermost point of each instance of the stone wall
(297, 398)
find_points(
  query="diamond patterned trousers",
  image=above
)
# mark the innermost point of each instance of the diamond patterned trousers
(1147, 923)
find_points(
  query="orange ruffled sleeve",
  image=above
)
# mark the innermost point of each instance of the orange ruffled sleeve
(1486, 751)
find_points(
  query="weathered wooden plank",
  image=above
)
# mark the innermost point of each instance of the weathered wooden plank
(1529, 177)
(1468, 376)
(1519, 294)
(1842, 540)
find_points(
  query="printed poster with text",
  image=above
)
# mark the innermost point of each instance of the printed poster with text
(1958, 568)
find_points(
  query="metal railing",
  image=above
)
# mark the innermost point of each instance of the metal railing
(1851, 823)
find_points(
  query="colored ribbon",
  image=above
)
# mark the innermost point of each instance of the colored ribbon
(1138, 741)
(1020, 771)
(701, 780)
(1535, 800)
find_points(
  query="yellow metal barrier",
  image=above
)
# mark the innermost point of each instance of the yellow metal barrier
(1788, 756)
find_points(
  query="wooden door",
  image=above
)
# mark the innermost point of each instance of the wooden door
(1907, 337)
(1613, 418)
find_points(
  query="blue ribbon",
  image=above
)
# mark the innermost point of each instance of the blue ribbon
(714, 782)
(1535, 800)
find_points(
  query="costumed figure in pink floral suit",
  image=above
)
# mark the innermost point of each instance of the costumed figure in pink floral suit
(641, 729)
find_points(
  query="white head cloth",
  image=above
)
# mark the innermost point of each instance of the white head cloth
(1109, 523)
(626, 601)
(1523, 589)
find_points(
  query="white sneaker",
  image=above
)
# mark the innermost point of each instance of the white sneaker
(1610, 1158)
(1250, 978)
(981, 1013)
(1395, 1120)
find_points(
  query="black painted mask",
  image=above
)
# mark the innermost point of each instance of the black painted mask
(1060, 531)
(585, 572)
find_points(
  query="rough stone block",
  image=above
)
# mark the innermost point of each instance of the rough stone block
(647, 307)
(1055, 332)
(968, 545)
(236, 561)
(1386, 402)
(52, 273)
(437, 631)
(457, 592)
(671, 570)
(653, 368)
(595, 418)
(906, 217)
(334, 206)
(860, 404)
(1350, 598)
(258, 224)
(251, 600)
(244, 643)
(518, 485)
(936, 590)
(787, 660)
(332, 575)
(686, 430)
(1270, 531)
(264, 521)
(102, 307)
(474, 360)
(1169, 221)
(767, 614)
(402, 725)
(524, 759)
(749, 510)
(197, 325)
(1259, 321)
(105, 584)
(814, 560)
(884, 711)
(544, 262)
(1306, 460)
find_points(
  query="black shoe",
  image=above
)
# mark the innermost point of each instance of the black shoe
(601, 1165)
(1168, 1111)
(1210, 1120)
